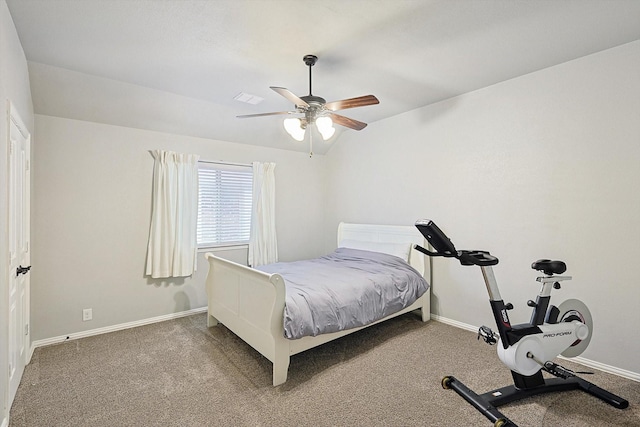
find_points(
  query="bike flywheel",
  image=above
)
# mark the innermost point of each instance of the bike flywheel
(570, 310)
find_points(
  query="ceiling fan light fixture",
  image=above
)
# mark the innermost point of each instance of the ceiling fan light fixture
(325, 127)
(293, 126)
(328, 134)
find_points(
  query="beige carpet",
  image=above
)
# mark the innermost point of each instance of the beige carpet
(179, 373)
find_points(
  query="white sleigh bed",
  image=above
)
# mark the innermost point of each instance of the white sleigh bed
(251, 303)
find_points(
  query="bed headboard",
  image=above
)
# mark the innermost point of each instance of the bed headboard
(399, 234)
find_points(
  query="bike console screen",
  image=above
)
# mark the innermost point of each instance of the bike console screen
(436, 237)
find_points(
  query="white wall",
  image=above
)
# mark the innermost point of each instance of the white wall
(92, 208)
(14, 86)
(546, 165)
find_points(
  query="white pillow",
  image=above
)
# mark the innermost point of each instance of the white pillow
(401, 250)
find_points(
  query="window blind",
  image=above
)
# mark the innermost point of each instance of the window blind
(224, 204)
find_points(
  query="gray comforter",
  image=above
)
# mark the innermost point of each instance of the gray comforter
(345, 289)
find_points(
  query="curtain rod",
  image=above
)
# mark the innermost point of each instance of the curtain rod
(222, 162)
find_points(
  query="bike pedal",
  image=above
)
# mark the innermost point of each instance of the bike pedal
(487, 335)
(558, 370)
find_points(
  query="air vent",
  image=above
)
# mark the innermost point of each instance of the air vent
(248, 98)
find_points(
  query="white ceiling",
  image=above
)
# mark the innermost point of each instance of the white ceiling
(175, 66)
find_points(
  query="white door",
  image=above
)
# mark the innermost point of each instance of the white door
(19, 256)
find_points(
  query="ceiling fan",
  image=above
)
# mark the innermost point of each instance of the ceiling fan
(314, 109)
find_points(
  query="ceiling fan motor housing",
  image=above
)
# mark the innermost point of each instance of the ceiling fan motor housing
(314, 101)
(315, 108)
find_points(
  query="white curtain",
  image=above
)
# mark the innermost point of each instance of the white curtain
(263, 247)
(172, 240)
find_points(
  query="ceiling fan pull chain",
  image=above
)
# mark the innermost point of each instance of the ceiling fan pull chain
(310, 143)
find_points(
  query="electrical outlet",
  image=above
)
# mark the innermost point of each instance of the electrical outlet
(87, 314)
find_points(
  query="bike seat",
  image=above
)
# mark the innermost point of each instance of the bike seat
(549, 267)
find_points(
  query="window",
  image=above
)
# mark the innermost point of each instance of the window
(224, 204)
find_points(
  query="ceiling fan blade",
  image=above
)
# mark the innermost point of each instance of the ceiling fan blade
(347, 122)
(361, 101)
(246, 116)
(290, 96)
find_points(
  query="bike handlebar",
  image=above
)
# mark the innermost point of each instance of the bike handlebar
(480, 258)
(445, 248)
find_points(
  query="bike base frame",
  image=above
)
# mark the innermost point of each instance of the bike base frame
(488, 403)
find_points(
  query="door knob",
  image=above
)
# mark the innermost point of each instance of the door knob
(22, 270)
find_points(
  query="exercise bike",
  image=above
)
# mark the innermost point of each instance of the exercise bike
(526, 349)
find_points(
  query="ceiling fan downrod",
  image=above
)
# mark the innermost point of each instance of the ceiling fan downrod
(310, 60)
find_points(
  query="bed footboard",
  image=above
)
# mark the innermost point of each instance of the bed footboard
(250, 303)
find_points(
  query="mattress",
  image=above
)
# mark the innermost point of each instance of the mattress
(345, 289)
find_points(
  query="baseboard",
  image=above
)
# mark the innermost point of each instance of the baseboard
(580, 360)
(455, 323)
(107, 329)
(5, 422)
(605, 368)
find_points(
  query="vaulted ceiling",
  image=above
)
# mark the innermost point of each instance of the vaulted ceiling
(176, 65)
